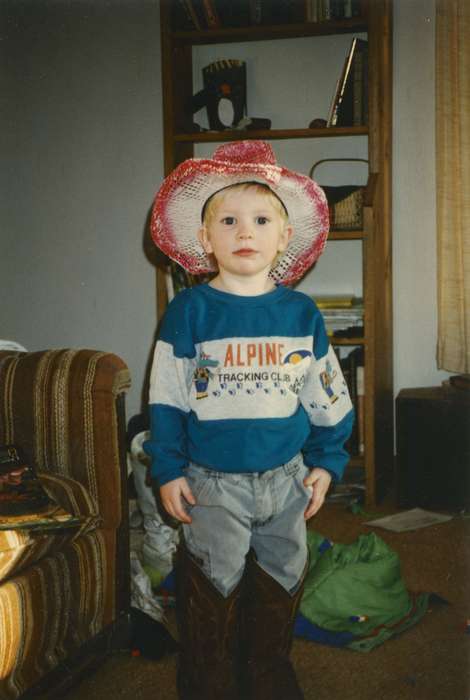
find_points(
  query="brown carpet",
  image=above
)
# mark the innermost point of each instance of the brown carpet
(428, 662)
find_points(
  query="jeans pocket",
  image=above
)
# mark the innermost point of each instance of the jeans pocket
(201, 482)
(299, 477)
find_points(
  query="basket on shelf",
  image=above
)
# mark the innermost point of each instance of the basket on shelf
(345, 202)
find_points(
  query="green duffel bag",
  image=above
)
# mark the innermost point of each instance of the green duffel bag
(358, 588)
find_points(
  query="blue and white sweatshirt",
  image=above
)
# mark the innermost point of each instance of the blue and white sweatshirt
(242, 384)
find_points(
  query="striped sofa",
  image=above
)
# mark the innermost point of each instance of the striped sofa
(64, 597)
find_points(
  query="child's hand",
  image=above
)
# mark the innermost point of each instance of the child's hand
(319, 481)
(172, 495)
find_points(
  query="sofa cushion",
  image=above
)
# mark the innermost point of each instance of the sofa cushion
(49, 611)
(25, 545)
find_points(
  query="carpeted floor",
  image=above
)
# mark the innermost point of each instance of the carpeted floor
(431, 661)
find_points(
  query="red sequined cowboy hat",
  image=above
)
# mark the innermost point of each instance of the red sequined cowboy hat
(176, 215)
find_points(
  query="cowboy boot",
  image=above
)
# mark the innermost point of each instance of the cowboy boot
(208, 631)
(268, 617)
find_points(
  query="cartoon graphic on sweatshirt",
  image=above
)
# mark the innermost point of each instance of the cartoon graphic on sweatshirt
(326, 379)
(203, 374)
(298, 362)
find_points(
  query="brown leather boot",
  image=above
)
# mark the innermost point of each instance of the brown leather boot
(268, 618)
(209, 634)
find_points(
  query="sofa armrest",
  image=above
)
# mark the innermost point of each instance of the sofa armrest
(64, 409)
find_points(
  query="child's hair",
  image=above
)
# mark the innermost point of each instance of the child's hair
(214, 201)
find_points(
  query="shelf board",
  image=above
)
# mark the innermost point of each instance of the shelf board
(346, 235)
(346, 341)
(265, 32)
(270, 134)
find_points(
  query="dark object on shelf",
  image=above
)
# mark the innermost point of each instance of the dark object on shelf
(433, 448)
(211, 15)
(317, 11)
(349, 106)
(345, 202)
(183, 17)
(252, 123)
(21, 491)
(276, 12)
(223, 95)
(245, 13)
(317, 124)
(234, 13)
(351, 332)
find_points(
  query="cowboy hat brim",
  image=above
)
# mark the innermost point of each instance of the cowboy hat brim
(176, 215)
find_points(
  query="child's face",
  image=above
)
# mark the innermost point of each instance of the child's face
(245, 232)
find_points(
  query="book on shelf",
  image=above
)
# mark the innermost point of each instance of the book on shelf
(194, 15)
(200, 15)
(233, 14)
(244, 13)
(187, 16)
(353, 110)
(327, 10)
(343, 315)
(256, 11)
(341, 86)
(284, 11)
(348, 106)
(182, 18)
(357, 88)
(337, 301)
(211, 14)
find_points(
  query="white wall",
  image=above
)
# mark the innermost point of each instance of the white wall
(414, 192)
(83, 156)
(83, 144)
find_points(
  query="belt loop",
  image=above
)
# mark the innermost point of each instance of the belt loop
(292, 466)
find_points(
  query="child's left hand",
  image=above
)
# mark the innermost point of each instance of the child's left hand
(319, 481)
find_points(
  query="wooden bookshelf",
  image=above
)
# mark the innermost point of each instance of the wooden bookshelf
(334, 340)
(270, 134)
(347, 235)
(266, 32)
(375, 234)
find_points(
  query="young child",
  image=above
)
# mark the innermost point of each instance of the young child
(249, 414)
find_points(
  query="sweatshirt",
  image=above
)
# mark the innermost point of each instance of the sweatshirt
(242, 384)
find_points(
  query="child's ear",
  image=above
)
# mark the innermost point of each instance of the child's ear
(285, 238)
(203, 237)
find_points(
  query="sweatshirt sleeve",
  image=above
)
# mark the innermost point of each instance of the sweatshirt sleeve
(170, 383)
(325, 397)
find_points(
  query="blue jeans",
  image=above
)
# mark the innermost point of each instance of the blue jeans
(235, 512)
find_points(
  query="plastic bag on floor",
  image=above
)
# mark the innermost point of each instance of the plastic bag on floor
(160, 540)
(142, 596)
